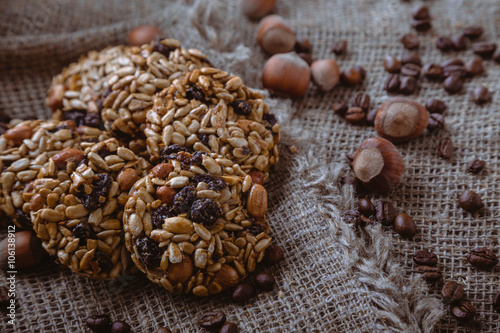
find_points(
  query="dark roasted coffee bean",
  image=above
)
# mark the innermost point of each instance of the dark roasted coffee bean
(361, 100)
(459, 42)
(470, 201)
(474, 66)
(445, 148)
(385, 213)
(392, 64)
(496, 303)
(120, 327)
(163, 330)
(463, 311)
(351, 77)
(306, 57)
(339, 47)
(366, 207)
(340, 108)
(411, 58)
(265, 281)
(473, 32)
(243, 292)
(430, 274)
(436, 121)
(393, 83)
(408, 85)
(433, 72)
(302, 45)
(425, 258)
(453, 61)
(361, 70)
(421, 12)
(476, 166)
(434, 105)
(482, 258)
(496, 56)
(229, 328)
(100, 323)
(421, 25)
(452, 292)
(481, 95)
(411, 70)
(212, 320)
(355, 115)
(453, 84)
(410, 41)
(405, 226)
(457, 70)
(484, 49)
(351, 216)
(273, 255)
(444, 43)
(371, 115)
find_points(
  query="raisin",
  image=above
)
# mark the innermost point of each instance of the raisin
(245, 151)
(104, 152)
(169, 152)
(92, 119)
(213, 184)
(202, 178)
(241, 107)
(256, 228)
(205, 211)
(149, 252)
(83, 231)
(23, 219)
(203, 139)
(184, 199)
(103, 261)
(102, 184)
(196, 158)
(197, 93)
(76, 115)
(269, 120)
(159, 215)
(158, 46)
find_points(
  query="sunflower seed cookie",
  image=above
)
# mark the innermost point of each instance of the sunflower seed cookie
(24, 148)
(194, 227)
(118, 84)
(211, 111)
(77, 208)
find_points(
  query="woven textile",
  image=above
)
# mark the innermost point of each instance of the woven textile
(332, 278)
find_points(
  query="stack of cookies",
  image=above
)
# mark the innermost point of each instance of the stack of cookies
(154, 161)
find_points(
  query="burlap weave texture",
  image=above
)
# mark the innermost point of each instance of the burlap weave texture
(331, 278)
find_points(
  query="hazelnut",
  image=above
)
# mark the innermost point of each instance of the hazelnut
(287, 74)
(162, 170)
(256, 9)
(227, 277)
(143, 34)
(401, 119)
(67, 155)
(325, 74)
(181, 272)
(28, 250)
(257, 176)
(274, 36)
(127, 178)
(378, 165)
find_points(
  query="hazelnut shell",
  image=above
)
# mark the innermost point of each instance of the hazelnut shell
(28, 251)
(325, 74)
(287, 74)
(143, 34)
(256, 9)
(274, 36)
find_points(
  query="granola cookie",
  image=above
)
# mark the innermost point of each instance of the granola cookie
(77, 208)
(118, 83)
(211, 111)
(195, 223)
(24, 148)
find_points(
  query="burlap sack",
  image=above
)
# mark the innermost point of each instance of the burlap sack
(331, 278)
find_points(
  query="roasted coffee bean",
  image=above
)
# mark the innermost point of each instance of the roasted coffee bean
(273, 255)
(453, 61)
(408, 85)
(476, 166)
(453, 84)
(496, 56)
(405, 226)
(484, 49)
(351, 216)
(366, 207)
(473, 32)
(392, 64)
(163, 330)
(421, 25)
(474, 66)
(444, 43)
(433, 72)
(425, 258)
(339, 47)
(457, 70)
(120, 326)
(371, 115)
(100, 323)
(302, 45)
(445, 148)
(410, 41)
(361, 70)
(355, 115)
(481, 95)
(361, 100)
(385, 213)
(421, 12)
(436, 121)
(411, 70)
(351, 77)
(452, 292)
(430, 274)
(229, 328)
(482, 258)
(463, 311)
(265, 281)
(496, 303)
(470, 201)
(243, 292)
(212, 320)
(340, 108)
(411, 58)
(459, 42)
(393, 83)
(306, 57)
(434, 105)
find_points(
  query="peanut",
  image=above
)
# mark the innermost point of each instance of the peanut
(36, 202)
(181, 272)
(56, 95)
(257, 201)
(162, 170)
(18, 134)
(166, 194)
(67, 155)
(127, 178)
